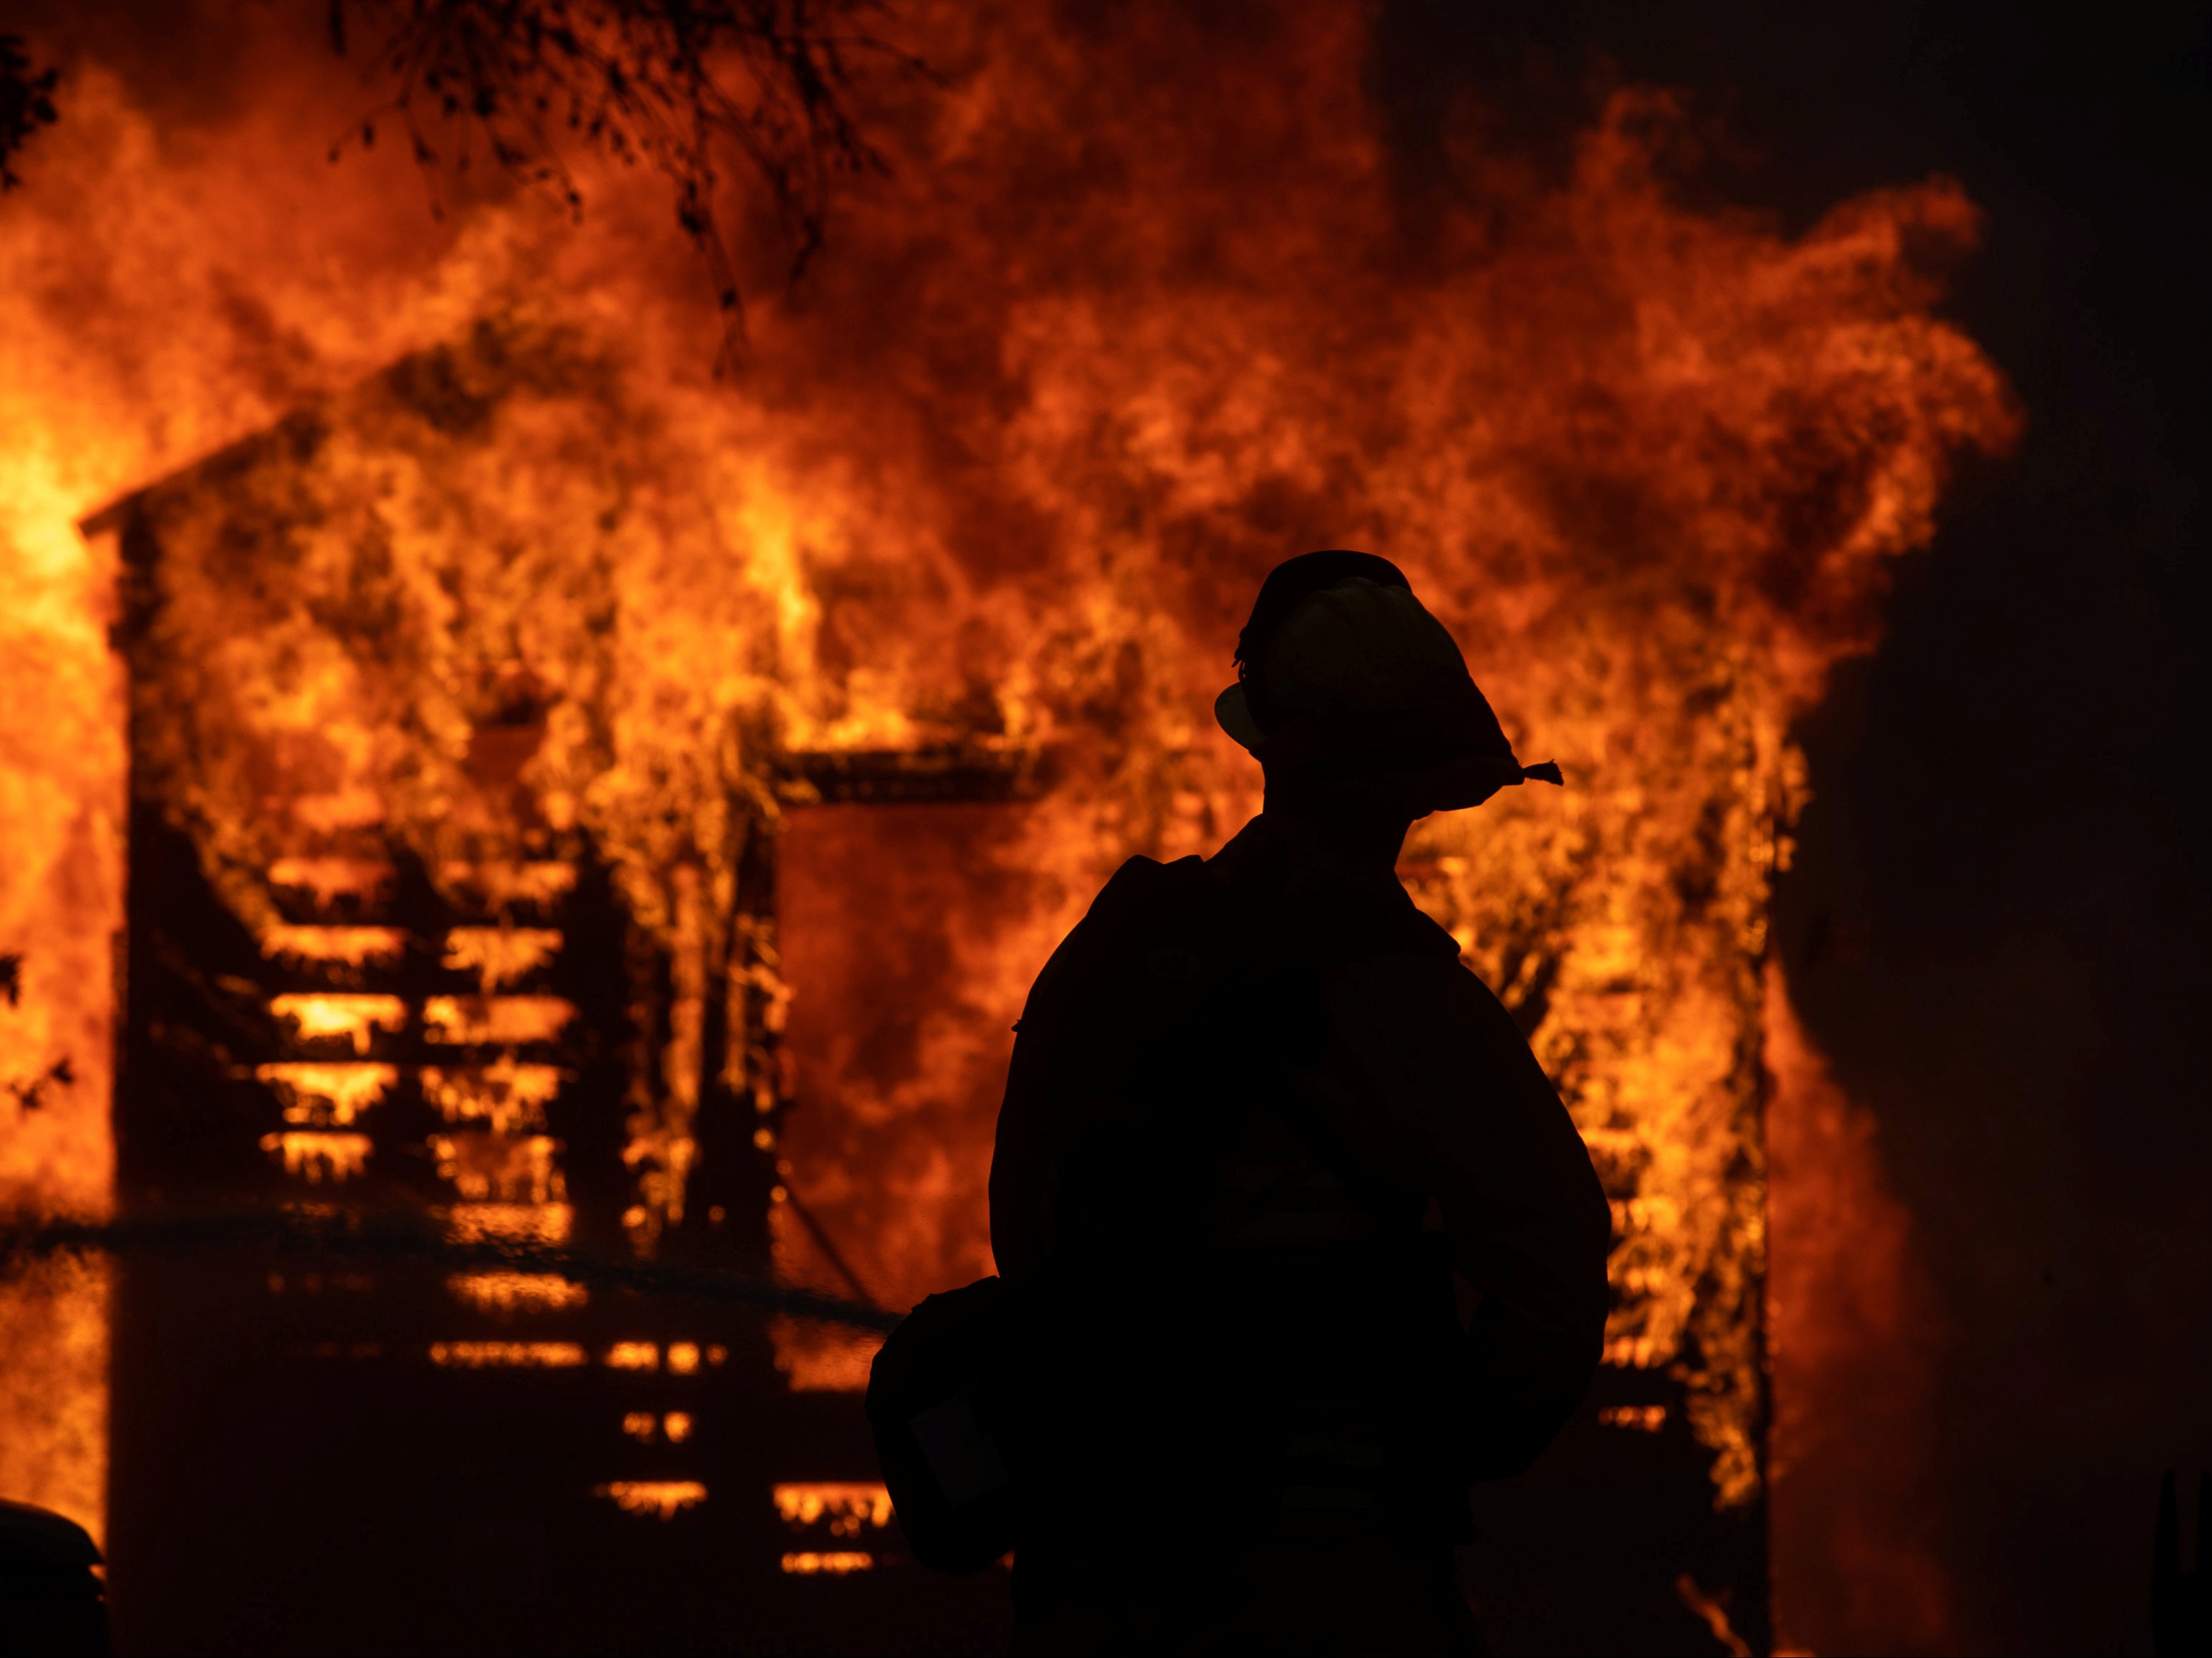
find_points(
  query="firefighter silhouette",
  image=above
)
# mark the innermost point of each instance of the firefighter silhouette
(52, 1601)
(1295, 1237)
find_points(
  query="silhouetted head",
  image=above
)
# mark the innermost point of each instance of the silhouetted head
(1346, 687)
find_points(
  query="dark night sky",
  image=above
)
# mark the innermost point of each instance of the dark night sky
(1996, 926)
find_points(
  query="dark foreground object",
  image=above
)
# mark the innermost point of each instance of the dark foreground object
(2181, 1601)
(52, 1599)
(940, 1428)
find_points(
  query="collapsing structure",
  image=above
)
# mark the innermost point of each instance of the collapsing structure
(405, 938)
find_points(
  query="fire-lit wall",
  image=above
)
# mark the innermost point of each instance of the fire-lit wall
(379, 976)
(60, 905)
(1100, 349)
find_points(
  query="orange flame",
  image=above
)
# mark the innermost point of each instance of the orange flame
(664, 1499)
(319, 1155)
(497, 1355)
(1103, 348)
(848, 1506)
(1855, 1330)
(512, 1292)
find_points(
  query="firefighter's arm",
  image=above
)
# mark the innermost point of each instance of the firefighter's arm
(1020, 1166)
(1479, 1127)
(1021, 1159)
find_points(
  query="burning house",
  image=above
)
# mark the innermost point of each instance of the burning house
(380, 969)
(576, 806)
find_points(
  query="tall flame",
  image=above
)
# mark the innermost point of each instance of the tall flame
(1133, 317)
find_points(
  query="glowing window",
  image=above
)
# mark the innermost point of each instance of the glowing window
(848, 1506)
(507, 1355)
(319, 1155)
(357, 1018)
(663, 1498)
(517, 1292)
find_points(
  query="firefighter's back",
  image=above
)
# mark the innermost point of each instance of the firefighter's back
(1259, 1120)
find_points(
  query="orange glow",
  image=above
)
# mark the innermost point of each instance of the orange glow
(1715, 1614)
(848, 1506)
(487, 1167)
(53, 1389)
(507, 1355)
(1856, 1330)
(500, 956)
(328, 883)
(327, 1095)
(504, 888)
(1003, 474)
(356, 1018)
(347, 946)
(547, 1224)
(836, 1562)
(634, 1356)
(663, 1499)
(517, 1292)
(1637, 1418)
(317, 1154)
(506, 1098)
(817, 1358)
(469, 1021)
(642, 1425)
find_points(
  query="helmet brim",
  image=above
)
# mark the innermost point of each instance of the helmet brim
(1234, 715)
(1389, 757)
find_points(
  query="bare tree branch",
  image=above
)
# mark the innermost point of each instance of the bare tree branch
(27, 103)
(30, 1092)
(676, 84)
